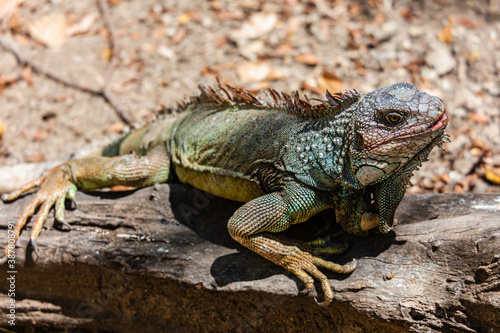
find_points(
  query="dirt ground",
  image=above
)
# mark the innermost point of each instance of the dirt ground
(161, 51)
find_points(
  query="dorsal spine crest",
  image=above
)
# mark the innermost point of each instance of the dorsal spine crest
(228, 96)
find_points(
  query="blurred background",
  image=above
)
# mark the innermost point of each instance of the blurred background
(69, 68)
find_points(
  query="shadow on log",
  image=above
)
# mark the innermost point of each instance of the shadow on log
(160, 259)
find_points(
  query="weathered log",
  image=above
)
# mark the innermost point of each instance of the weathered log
(160, 259)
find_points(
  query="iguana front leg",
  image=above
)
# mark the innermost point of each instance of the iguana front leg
(256, 223)
(62, 182)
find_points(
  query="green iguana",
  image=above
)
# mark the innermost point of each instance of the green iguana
(287, 158)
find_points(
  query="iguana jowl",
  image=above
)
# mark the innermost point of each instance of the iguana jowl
(286, 158)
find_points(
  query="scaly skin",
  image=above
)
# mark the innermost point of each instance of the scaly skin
(284, 157)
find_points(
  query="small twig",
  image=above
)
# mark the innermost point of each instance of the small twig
(123, 114)
(26, 62)
(104, 11)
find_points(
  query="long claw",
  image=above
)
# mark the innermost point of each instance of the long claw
(324, 303)
(33, 245)
(306, 291)
(64, 223)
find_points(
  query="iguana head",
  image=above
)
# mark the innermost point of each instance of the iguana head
(393, 124)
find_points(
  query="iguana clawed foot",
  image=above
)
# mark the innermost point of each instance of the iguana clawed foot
(55, 188)
(305, 267)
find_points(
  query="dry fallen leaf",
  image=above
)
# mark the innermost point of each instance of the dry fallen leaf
(408, 13)
(257, 71)
(27, 75)
(8, 9)
(480, 118)
(307, 58)
(493, 175)
(445, 178)
(445, 34)
(208, 71)
(389, 276)
(50, 30)
(257, 26)
(60, 98)
(474, 56)
(216, 5)
(116, 127)
(114, 2)
(82, 26)
(179, 36)
(354, 9)
(328, 80)
(7, 80)
(2, 128)
(40, 135)
(226, 15)
(159, 32)
(106, 53)
(149, 47)
(34, 158)
(475, 151)
(184, 18)
(323, 81)
(293, 25)
(284, 49)
(481, 145)
(468, 23)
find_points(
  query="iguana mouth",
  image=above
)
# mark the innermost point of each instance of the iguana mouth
(442, 121)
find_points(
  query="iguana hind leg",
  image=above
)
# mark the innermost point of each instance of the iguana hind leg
(256, 223)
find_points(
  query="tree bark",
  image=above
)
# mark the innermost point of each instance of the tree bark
(160, 258)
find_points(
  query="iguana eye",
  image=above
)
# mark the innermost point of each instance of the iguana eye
(393, 118)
